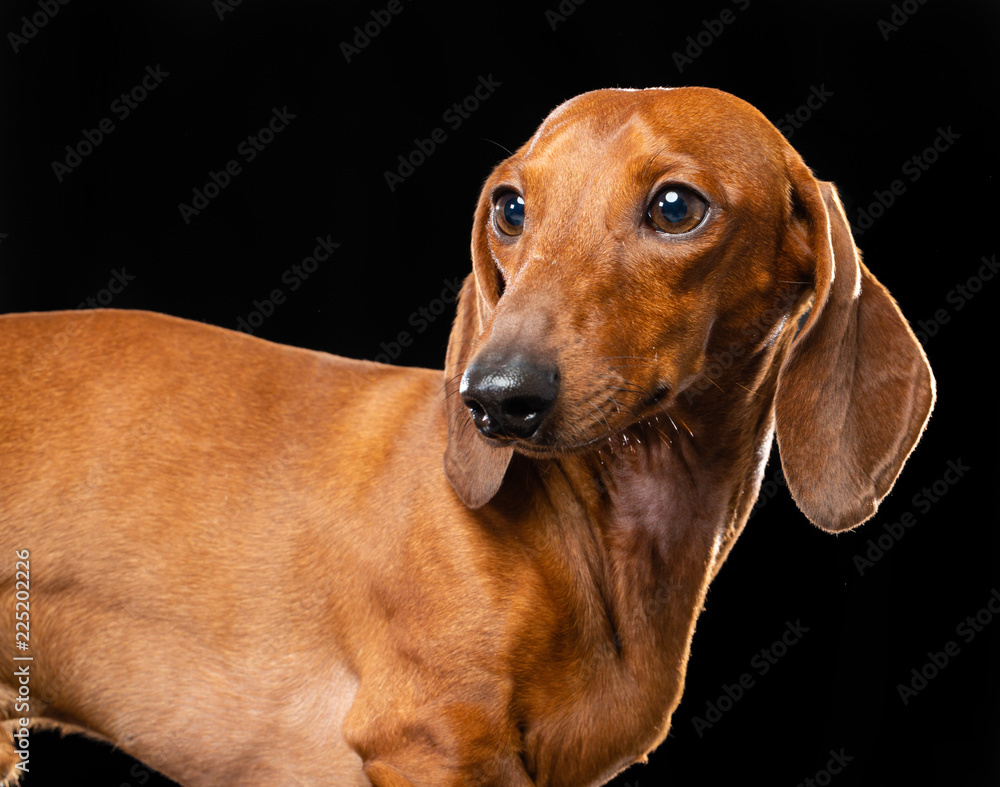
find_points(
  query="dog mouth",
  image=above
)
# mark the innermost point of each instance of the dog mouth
(620, 428)
(628, 439)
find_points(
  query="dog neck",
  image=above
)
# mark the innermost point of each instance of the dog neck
(636, 530)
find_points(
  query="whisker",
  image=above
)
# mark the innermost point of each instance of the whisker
(663, 437)
(714, 383)
(452, 380)
(449, 394)
(502, 147)
(600, 412)
(749, 391)
(582, 433)
(461, 429)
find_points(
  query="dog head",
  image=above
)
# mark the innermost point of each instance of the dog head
(633, 240)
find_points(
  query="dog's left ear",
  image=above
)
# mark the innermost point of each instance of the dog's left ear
(855, 391)
(474, 467)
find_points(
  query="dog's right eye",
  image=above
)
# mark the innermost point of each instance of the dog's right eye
(508, 213)
(676, 209)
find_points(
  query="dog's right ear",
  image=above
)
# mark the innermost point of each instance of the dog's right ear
(473, 466)
(855, 392)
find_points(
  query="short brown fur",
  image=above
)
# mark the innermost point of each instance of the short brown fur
(255, 564)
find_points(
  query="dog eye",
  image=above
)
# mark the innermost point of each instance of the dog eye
(508, 213)
(676, 209)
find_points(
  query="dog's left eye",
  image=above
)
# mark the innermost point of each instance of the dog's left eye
(676, 209)
(508, 213)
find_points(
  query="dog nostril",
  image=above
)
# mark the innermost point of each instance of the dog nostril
(480, 416)
(474, 407)
(524, 407)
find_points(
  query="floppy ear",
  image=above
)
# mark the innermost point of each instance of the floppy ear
(855, 391)
(474, 467)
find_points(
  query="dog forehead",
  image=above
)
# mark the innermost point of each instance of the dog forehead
(688, 106)
(700, 124)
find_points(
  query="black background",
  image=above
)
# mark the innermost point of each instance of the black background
(889, 94)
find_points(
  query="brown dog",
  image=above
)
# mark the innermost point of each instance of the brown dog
(252, 564)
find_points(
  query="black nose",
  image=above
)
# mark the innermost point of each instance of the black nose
(509, 398)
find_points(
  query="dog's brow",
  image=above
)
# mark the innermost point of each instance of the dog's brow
(653, 165)
(514, 163)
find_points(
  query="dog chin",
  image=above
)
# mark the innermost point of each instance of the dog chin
(554, 448)
(539, 450)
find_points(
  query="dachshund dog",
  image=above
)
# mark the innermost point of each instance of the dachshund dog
(245, 564)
